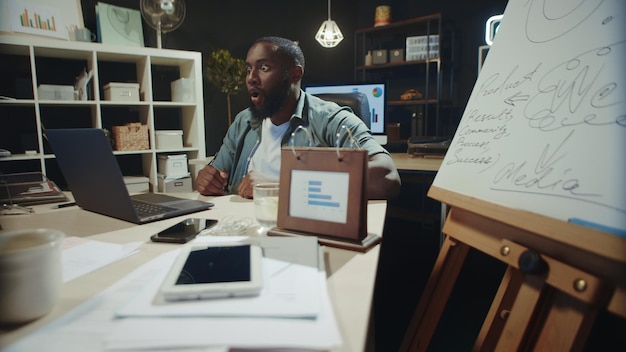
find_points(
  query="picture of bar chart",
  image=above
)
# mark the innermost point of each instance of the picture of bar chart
(319, 195)
(40, 20)
(35, 20)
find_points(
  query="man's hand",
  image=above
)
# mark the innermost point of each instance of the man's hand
(211, 181)
(245, 186)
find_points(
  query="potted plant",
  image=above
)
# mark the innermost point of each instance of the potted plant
(226, 73)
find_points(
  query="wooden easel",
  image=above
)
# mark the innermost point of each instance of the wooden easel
(559, 277)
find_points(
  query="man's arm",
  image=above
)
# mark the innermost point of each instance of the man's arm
(383, 178)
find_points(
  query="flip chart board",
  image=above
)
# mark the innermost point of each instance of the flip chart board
(544, 129)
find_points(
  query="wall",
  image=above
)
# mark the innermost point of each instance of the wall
(234, 24)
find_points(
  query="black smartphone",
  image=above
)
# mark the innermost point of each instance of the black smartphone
(184, 231)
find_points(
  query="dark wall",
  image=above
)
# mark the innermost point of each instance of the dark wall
(234, 24)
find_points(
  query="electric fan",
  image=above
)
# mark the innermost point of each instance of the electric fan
(163, 15)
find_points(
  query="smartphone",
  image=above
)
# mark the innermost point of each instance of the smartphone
(184, 231)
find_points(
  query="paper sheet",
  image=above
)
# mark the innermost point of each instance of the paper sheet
(81, 256)
(289, 290)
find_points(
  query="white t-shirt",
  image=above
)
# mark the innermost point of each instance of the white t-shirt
(266, 158)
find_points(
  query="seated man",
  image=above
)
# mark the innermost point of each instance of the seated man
(251, 150)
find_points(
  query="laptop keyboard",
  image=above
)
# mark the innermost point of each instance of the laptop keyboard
(146, 209)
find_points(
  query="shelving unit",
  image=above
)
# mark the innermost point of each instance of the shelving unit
(31, 61)
(432, 76)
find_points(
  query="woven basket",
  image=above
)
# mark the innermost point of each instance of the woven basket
(132, 136)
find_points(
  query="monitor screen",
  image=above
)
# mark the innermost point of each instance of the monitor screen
(375, 93)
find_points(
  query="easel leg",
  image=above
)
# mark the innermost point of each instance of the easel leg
(521, 318)
(499, 311)
(567, 324)
(433, 301)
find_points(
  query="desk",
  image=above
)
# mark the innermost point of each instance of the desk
(406, 162)
(350, 274)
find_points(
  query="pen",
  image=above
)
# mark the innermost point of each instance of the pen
(65, 205)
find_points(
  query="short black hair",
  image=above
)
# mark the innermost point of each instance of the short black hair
(287, 47)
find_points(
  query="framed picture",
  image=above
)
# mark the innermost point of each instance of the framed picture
(119, 25)
(48, 18)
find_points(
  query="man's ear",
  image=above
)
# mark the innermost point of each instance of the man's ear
(296, 73)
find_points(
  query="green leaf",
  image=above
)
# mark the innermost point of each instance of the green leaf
(225, 71)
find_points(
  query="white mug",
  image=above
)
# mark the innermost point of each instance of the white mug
(30, 273)
(82, 35)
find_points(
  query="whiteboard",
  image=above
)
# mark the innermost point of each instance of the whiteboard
(544, 129)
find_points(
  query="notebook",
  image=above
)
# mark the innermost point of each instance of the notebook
(86, 160)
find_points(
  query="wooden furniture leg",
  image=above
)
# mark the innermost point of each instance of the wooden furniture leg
(433, 301)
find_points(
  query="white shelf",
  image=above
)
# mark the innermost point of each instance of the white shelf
(50, 61)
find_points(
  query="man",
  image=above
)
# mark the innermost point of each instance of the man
(252, 146)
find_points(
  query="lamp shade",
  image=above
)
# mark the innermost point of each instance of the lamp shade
(329, 34)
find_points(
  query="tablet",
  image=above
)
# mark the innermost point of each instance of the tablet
(205, 271)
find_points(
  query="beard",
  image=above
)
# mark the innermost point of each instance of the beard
(273, 101)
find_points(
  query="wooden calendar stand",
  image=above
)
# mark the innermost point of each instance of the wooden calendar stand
(559, 277)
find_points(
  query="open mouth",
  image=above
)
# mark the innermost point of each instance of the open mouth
(255, 96)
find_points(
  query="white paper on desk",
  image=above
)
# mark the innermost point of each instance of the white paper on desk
(81, 256)
(262, 333)
(291, 288)
(91, 326)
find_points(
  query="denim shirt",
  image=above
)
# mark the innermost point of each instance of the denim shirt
(322, 119)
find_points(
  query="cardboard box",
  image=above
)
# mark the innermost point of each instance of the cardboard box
(173, 165)
(169, 139)
(183, 90)
(137, 184)
(115, 91)
(396, 55)
(55, 92)
(379, 57)
(175, 184)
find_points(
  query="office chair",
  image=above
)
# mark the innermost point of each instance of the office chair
(356, 101)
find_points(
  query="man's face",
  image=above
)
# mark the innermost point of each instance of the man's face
(267, 80)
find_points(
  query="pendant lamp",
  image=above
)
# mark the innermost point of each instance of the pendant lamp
(329, 34)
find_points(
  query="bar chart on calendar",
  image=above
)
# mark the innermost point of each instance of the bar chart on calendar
(319, 195)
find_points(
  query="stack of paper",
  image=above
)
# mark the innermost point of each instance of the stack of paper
(291, 288)
(293, 311)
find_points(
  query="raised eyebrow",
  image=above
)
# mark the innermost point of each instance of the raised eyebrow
(258, 62)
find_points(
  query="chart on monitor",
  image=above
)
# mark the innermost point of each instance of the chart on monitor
(375, 93)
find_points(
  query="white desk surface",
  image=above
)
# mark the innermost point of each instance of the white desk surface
(351, 275)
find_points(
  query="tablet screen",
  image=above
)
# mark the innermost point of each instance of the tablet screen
(215, 265)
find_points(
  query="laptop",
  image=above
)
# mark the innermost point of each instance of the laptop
(93, 175)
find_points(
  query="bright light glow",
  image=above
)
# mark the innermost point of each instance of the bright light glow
(491, 28)
(329, 34)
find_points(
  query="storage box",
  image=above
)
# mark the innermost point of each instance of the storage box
(396, 55)
(132, 136)
(174, 184)
(55, 92)
(169, 139)
(121, 91)
(379, 57)
(173, 165)
(183, 90)
(137, 184)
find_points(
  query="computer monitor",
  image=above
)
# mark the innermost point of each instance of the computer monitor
(375, 92)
